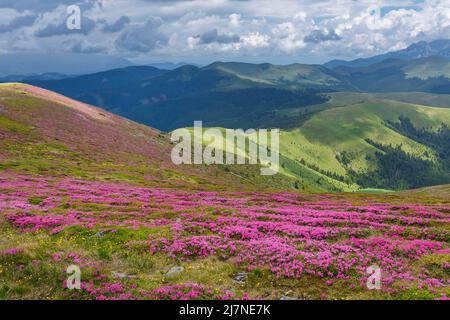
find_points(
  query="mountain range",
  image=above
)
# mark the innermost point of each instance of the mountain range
(25, 64)
(383, 125)
(422, 49)
(86, 192)
(241, 94)
(33, 66)
(431, 74)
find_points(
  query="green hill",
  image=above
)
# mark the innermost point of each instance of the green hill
(293, 75)
(430, 74)
(418, 50)
(171, 99)
(361, 142)
(371, 142)
(396, 138)
(235, 94)
(357, 141)
(346, 142)
(44, 133)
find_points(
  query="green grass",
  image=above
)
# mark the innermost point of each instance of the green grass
(425, 69)
(374, 190)
(312, 150)
(312, 144)
(344, 126)
(418, 98)
(13, 126)
(289, 75)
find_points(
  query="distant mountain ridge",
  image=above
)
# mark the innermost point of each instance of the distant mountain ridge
(63, 63)
(240, 94)
(422, 49)
(431, 74)
(35, 77)
(22, 65)
(384, 125)
(170, 65)
(292, 75)
(168, 99)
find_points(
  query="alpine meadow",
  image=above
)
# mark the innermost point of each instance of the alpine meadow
(224, 150)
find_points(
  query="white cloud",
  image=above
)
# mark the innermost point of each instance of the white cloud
(284, 30)
(234, 19)
(255, 40)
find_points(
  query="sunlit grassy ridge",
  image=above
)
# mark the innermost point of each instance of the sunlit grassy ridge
(291, 75)
(428, 68)
(48, 134)
(347, 125)
(331, 146)
(38, 139)
(336, 130)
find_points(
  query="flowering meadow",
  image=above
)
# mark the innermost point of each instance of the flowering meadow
(126, 239)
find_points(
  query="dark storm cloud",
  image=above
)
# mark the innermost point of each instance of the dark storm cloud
(213, 36)
(142, 37)
(87, 25)
(318, 36)
(116, 26)
(19, 22)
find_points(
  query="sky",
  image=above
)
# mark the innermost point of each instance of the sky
(203, 31)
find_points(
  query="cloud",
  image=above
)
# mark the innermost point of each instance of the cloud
(288, 37)
(318, 36)
(19, 22)
(84, 47)
(197, 30)
(60, 28)
(116, 26)
(213, 36)
(387, 9)
(234, 19)
(255, 40)
(143, 37)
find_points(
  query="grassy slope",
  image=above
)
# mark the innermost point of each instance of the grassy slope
(303, 177)
(237, 92)
(421, 98)
(343, 124)
(312, 137)
(48, 134)
(394, 75)
(112, 148)
(434, 191)
(290, 75)
(427, 68)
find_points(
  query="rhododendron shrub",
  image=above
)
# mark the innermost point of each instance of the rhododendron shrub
(289, 235)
